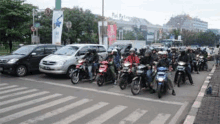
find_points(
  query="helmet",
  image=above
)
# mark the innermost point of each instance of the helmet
(168, 49)
(132, 50)
(114, 51)
(147, 53)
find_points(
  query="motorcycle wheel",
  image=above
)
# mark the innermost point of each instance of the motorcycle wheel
(179, 80)
(122, 83)
(159, 91)
(75, 77)
(135, 87)
(205, 68)
(100, 80)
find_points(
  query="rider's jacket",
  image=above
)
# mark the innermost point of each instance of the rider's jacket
(164, 62)
(184, 58)
(147, 60)
(132, 59)
(154, 56)
(91, 57)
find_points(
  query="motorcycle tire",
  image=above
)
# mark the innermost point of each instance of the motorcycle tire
(100, 80)
(134, 85)
(122, 83)
(179, 80)
(75, 78)
(159, 91)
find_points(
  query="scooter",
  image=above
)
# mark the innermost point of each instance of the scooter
(161, 81)
(104, 74)
(181, 73)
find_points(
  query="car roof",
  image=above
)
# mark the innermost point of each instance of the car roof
(81, 45)
(36, 45)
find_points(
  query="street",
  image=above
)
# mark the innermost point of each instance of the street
(37, 98)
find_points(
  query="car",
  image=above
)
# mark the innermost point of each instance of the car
(26, 58)
(65, 59)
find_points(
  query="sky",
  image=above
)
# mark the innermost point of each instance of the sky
(155, 11)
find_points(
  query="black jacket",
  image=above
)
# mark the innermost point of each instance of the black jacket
(91, 57)
(164, 63)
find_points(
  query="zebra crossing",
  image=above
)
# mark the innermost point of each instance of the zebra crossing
(17, 102)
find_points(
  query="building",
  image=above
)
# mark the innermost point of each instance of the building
(148, 29)
(186, 22)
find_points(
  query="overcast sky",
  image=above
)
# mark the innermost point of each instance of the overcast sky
(155, 11)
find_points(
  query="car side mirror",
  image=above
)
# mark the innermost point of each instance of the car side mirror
(33, 54)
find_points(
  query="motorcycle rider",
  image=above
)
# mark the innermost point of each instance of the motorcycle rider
(192, 58)
(165, 62)
(92, 58)
(110, 59)
(183, 57)
(169, 53)
(148, 61)
(154, 55)
(216, 53)
(132, 58)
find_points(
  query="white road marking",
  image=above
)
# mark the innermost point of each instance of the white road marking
(22, 98)
(109, 114)
(12, 90)
(34, 109)
(178, 114)
(56, 112)
(105, 92)
(8, 87)
(160, 119)
(3, 84)
(133, 117)
(19, 93)
(82, 113)
(189, 119)
(28, 103)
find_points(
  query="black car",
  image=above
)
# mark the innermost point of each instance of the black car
(26, 58)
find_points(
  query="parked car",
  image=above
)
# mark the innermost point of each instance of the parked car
(65, 59)
(26, 58)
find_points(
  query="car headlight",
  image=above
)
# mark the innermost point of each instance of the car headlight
(12, 61)
(61, 63)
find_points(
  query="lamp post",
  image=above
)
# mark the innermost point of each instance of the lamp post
(68, 25)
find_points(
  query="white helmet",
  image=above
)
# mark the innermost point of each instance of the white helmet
(132, 50)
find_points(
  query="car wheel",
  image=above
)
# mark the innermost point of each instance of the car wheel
(69, 71)
(21, 71)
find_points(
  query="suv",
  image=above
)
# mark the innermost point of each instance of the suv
(26, 58)
(65, 59)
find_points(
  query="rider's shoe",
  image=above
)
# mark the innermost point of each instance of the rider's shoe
(173, 93)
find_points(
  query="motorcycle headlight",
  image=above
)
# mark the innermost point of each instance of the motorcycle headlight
(61, 63)
(100, 70)
(12, 61)
(160, 79)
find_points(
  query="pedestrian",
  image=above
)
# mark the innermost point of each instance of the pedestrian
(217, 55)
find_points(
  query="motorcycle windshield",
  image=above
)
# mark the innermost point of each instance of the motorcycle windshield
(162, 69)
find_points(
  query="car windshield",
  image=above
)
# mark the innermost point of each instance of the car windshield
(67, 50)
(24, 50)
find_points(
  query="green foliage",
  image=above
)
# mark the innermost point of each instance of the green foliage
(13, 16)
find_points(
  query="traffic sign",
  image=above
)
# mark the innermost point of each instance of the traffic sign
(37, 24)
(69, 24)
(32, 28)
(47, 12)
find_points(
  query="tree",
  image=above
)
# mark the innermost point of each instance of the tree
(13, 15)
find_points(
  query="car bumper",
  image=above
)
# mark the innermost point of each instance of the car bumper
(52, 69)
(8, 68)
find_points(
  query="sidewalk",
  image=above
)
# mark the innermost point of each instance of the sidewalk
(209, 111)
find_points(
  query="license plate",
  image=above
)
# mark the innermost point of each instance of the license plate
(46, 68)
(1, 69)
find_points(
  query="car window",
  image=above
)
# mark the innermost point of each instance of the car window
(84, 50)
(39, 51)
(50, 49)
(94, 47)
(101, 49)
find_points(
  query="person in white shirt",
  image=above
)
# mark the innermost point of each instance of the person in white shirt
(216, 53)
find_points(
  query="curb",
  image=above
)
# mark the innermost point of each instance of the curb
(190, 118)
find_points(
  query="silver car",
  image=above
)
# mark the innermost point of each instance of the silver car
(65, 59)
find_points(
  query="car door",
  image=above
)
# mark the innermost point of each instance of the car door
(35, 59)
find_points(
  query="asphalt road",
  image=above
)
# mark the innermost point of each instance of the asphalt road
(40, 99)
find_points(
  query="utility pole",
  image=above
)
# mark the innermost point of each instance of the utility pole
(102, 22)
(33, 20)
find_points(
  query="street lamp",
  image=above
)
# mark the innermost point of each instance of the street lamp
(68, 25)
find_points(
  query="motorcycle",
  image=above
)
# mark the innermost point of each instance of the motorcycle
(202, 64)
(139, 80)
(181, 73)
(81, 72)
(104, 74)
(161, 81)
(126, 75)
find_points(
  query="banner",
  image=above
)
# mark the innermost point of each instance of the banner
(57, 26)
(112, 33)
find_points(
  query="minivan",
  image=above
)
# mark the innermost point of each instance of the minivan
(65, 59)
(26, 58)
